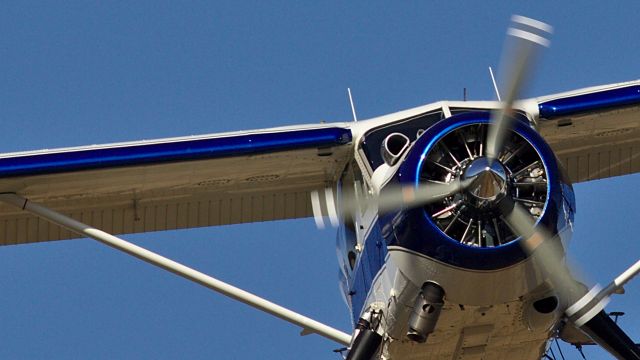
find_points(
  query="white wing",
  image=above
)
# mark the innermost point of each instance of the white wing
(174, 183)
(595, 132)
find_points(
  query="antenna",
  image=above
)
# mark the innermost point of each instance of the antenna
(495, 87)
(353, 108)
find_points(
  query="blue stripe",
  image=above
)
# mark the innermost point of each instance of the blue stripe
(368, 267)
(590, 102)
(184, 150)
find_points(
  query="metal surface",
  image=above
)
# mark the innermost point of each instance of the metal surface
(597, 298)
(595, 145)
(417, 169)
(525, 37)
(591, 102)
(426, 311)
(495, 330)
(184, 149)
(393, 146)
(471, 217)
(174, 195)
(606, 333)
(488, 179)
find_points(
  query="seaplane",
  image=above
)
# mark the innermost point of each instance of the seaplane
(453, 218)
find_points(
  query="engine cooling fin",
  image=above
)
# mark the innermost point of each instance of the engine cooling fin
(472, 216)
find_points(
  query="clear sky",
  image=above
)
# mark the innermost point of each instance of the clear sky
(89, 72)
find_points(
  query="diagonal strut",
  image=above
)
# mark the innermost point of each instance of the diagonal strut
(308, 325)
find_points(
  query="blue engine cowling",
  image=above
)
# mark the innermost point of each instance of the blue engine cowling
(415, 230)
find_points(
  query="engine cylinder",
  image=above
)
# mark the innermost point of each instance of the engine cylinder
(460, 241)
(466, 229)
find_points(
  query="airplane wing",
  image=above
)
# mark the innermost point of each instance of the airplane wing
(595, 132)
(174, 183)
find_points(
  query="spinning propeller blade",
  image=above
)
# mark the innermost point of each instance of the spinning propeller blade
(545, 251)
(391, 197)
(525, 38)
(395, 197)
(586, 308)
(581, 308)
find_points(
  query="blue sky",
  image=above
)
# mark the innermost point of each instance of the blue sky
(78, 73)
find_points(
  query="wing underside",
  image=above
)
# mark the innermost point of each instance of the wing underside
(175, 183)
(268, 174)
(595, 132)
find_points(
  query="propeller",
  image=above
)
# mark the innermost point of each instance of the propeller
(584, 309)
(546, 253)
(525, 39)
(391, 197)
(485, 179)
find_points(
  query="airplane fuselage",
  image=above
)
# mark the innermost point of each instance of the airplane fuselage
(497, 303)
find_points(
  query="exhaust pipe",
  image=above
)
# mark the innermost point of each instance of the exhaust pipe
(426, 312)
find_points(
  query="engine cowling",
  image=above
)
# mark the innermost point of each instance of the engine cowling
(466, 229)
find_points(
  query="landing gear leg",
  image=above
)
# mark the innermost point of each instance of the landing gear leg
(366, 340)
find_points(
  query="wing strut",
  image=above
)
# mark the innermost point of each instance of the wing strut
(308, 325)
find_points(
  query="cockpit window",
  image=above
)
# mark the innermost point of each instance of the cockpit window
(411, 128)
(458, 110)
